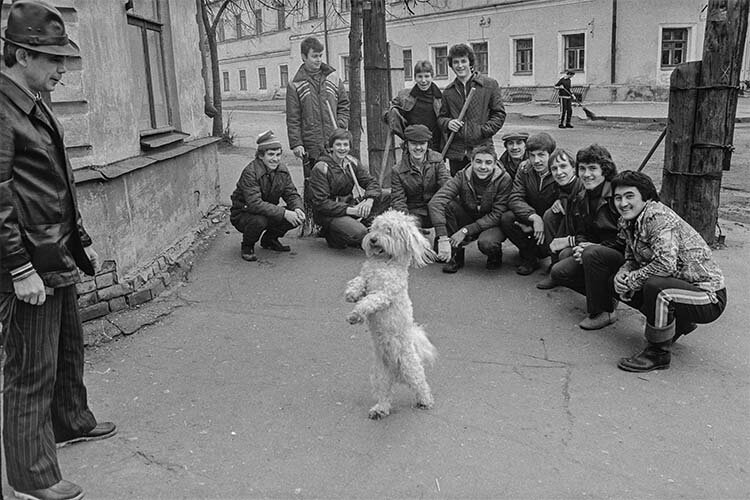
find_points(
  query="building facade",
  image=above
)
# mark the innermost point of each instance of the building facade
(620, 49)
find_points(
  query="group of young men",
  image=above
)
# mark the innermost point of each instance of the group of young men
(606, 234)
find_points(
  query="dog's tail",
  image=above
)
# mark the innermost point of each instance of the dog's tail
(425, 350)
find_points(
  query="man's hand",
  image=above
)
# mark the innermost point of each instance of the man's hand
(444, 249)
(364, 207)
(557, 207)
(538, 226)
(30, 290)
(457, 238)
(455, 125)
(578, 250)
(621, 283)
(299, 151)
(93, 257)
(293, 217)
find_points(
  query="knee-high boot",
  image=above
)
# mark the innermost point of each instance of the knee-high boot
(657, 354)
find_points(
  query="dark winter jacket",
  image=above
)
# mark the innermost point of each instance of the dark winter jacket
(484, 116)
(399, 113)
(308, 120)
(599, 226)
(331, 187)
(567, 195)
(40, 224)
(259, 190)
(460, 188)
(412, 189)
(532, 193)
(509, 164)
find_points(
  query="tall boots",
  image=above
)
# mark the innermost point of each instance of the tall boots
(657, 354)
(456, 262)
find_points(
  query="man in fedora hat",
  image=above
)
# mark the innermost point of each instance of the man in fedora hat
(42, 245)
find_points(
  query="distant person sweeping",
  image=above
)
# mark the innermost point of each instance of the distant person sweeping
(565, 96)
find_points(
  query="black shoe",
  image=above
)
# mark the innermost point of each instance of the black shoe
(527, 267)
(456, 262)
(103, 430)
(494, 262)
(561, 126)
(656, 356)
(274, 244)
(568, 125)
(547, 283)
(248, 254)
(683, 330)
(62, 490)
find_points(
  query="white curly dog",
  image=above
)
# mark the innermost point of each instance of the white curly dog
(381, 294)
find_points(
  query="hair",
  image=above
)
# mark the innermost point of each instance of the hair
(541, 142)
(638, 180)
(423, 67)
(484, 149)
(560, 153)
(599, 155)
(338, 135)
(9, 54)
(310, 43)
(461, 50)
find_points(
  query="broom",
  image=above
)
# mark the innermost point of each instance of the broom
(460, 118)
(589, 114)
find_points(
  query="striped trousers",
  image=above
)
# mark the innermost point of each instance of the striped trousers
(667, 300)
(44, 393)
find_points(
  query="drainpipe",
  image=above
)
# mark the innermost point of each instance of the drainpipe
(325, 30)
(613, 50)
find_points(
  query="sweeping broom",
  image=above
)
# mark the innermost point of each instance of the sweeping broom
(589, 114)
(460, 118)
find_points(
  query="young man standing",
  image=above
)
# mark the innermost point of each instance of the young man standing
(42, 245)
(565, 97)
(485, 115)
(315, 92)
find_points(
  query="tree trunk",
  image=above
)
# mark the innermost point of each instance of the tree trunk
(377, 85)
(715, 111)
(208, 105)
(218, 122)
(355, 79)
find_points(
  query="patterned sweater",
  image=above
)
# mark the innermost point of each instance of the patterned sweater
(660, 243)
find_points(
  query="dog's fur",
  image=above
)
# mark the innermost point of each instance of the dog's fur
(381, 294)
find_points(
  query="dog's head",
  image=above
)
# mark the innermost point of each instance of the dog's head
(395, 236)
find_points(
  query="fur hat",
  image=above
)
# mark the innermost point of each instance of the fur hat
(267, 140)
(515, 135)
(39, 27)
(417, 133)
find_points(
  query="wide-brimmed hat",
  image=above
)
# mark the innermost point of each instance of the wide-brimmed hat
(38, 26)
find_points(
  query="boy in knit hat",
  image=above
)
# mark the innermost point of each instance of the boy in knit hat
(255, 201)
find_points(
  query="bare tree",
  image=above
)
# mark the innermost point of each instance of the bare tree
(355, 78)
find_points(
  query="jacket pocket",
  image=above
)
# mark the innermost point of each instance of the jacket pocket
(48, 247)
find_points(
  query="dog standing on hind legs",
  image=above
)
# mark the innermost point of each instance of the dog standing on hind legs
(380, 291)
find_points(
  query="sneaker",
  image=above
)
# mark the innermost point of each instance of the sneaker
(598, 321)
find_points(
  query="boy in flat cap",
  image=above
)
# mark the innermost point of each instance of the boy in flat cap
(515, 151)
(42, 245)
(418, 176)
(255, 201)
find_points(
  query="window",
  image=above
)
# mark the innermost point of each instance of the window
(280, 16)
(238, 25)
(481, 61)
(283, 75)
(258, 21)
(221, 35)
(673, 46)
(440, 55)
(574, 51)
(408, 65)
(225, 75)
(149, 73)
(312, 8)
(345, 6)
(345, 68)
(524, 48)
(243, 80)
(262, 85)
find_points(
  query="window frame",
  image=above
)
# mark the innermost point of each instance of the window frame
(313, 11)
(280, 16)
(238, 30)
(225, 80)
(243, 79)
(262, 78)
(408, 66)
(516, 52)
(282, 83)
(580, 52)
(486, 57)
(345, 63)
(258, 21)
(436, 65)
(685, 48)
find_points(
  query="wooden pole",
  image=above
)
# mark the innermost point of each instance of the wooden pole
(355, 76)
(377, 86)
(692, 188)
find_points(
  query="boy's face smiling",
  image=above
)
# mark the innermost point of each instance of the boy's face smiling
(461, 67)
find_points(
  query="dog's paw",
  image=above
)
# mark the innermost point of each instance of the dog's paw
(352, 296)
(426, 403)
(354, 317)
(377, 412)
